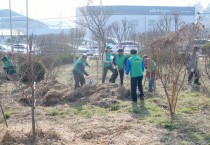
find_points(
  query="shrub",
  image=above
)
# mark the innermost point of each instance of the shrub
(7, 114)
(39, 71)
(53, 113)
(59, 59)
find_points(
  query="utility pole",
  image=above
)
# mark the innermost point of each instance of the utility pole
(10, 17)
(101, 7)
(27, 24)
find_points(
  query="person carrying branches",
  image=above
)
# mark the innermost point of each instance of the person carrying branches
(151, 69)
(119, 62)
(79, 70)
(192, 67)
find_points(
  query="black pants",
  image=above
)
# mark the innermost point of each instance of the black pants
(195, 74)
(79, 79)
(136, 81)
(105, 69)
(115, 74)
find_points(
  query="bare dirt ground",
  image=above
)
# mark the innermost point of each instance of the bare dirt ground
(102, 114)
(111, 128)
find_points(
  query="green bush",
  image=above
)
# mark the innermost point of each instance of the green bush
(25, 74)
(63, 58)
(55, 112)
(114, 107)
(7, 114)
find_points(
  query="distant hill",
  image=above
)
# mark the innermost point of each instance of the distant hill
(19, 22)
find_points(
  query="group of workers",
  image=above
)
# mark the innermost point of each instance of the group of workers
(120, 65)
(135, 66)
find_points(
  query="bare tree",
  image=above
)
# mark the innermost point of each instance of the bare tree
(170, 66)
(122, 30)
(168, 23)
(73, 39)
(95, 19)
(169, 50)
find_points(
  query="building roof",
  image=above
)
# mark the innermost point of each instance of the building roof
(18, 20)
(147, 10)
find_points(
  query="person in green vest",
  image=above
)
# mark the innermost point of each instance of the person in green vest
(107, 63)
(135, 65)
(119, 62)
(8, 68)
(79, 71)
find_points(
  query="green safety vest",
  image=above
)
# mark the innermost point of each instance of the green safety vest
(10, 69)
(6, 61)
(136, 66)
(120, 61)
(76, 69)
(108, 58)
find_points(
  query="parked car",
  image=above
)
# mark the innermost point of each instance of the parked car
(22, 49)
(129, 45)
(4, 49)
(83, 51)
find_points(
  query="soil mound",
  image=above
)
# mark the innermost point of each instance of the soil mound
(14, 137)
(53, 93)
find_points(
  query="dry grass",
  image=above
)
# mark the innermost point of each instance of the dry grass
(103, 114)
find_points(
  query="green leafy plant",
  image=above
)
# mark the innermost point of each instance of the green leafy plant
(7, 114)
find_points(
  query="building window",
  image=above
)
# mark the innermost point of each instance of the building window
(151, 22)
(135, 22)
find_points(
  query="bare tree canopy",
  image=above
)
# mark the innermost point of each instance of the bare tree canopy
(122, 30)
(95, 19)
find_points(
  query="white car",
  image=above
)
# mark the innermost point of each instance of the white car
(5, 49)
(129, 45)
(83, 51)
(20, 48)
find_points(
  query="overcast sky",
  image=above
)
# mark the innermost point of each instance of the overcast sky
(47, 9)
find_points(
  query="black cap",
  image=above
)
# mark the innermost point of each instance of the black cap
(196, 48)
(120, 50)
(133, 51)
(84, 56)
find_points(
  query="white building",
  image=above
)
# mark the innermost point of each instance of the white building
(145, 18)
